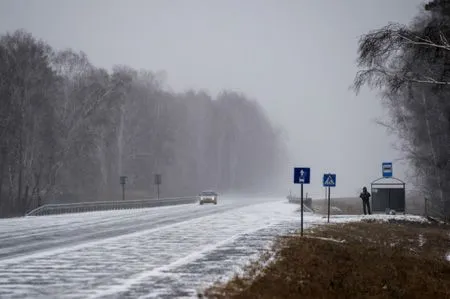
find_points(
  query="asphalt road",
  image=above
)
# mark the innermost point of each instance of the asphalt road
(164, 252)
(24, 236)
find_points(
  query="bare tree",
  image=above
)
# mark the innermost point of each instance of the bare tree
(410, 66)
(68, 130)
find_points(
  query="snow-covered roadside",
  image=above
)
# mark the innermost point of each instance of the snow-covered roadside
(321, 219)
(380, 217)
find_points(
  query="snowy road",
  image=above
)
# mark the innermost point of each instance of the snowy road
(161, 252)
(26, 235)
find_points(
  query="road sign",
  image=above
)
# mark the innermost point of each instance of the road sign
(302, 175)
(157, 179)
(387, 169)
(329, 180)
(123, 180)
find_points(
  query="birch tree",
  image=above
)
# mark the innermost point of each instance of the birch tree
(409, 65)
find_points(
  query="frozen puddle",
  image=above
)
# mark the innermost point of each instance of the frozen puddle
(169, 262)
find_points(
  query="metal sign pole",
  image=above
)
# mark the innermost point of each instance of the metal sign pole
(301, 220)
(123, 180)
(329, 190)
(302, 176)
(329, 180)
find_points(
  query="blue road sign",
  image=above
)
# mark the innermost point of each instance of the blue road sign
(301, 175)
(387, 169)
(329, 180)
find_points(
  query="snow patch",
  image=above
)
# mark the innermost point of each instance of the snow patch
(326, 239)
(422, 240)
(335, 209)
(378, 217)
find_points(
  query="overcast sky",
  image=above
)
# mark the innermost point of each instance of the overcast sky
(296, 57)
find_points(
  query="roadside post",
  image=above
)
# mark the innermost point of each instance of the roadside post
(301, 176)
(123, 181)
(157, 183)
(329, 180)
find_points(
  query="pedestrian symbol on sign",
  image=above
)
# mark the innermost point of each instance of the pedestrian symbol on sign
(329, 180)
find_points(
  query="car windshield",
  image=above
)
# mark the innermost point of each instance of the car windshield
(208, 193)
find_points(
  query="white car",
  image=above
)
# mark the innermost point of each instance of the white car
(208, 197)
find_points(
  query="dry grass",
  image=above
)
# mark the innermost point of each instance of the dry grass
(357, 260)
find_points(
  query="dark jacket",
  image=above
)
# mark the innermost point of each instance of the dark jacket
(365, 196)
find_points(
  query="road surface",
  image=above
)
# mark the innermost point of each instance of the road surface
(22, 236)
(164, 252)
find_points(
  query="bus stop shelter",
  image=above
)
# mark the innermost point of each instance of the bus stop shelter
(388, 194)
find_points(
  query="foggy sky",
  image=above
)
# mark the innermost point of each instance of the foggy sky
(297, 58)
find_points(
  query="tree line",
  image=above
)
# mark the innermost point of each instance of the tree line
(410, 67)
(69, 130)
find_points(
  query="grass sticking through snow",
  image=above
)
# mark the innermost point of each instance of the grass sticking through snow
(354, 260)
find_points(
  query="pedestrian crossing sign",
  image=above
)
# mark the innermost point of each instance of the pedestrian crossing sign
(329, 180)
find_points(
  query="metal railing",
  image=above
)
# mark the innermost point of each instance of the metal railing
(307, 201)
(81, 207)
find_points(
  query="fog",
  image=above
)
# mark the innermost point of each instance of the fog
(295, 58)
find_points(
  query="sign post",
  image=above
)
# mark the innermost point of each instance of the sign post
(123, 181)
(301, 176)
(329, 180)
(157, 183)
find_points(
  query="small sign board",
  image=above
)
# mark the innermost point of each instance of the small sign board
(302, 175)
(329, 180)
(387, 169)
(157, 179)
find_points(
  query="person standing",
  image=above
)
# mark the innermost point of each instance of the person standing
(365, 196)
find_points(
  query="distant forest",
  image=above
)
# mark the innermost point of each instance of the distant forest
(69, 130)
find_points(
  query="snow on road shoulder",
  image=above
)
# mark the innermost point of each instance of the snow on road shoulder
(135, 264)
(378, 217)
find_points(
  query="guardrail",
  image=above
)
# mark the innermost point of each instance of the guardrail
(307, 201)
(56, 209)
